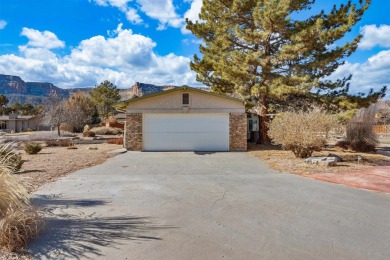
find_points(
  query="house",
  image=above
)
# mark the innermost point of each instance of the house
(185, 119)
(17, 123)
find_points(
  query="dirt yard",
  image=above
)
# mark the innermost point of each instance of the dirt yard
(54, 162)
(372, 172)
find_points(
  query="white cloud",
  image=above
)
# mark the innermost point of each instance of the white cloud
(123, 5)
(3, 24)
(374, 73)
(46, 39)
(163, 11)
(193, 13)
(123, 58)
(375, 36)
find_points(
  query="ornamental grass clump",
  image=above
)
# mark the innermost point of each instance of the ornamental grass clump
(302, 132)
(360, 134)
(19, 222)
(11, 158)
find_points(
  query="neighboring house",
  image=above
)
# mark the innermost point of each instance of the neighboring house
(16, 123)
(185, 119)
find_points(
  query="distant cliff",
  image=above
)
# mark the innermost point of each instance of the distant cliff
(142, 89)
(17, 90)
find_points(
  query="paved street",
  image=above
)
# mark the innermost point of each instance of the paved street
(207, 206)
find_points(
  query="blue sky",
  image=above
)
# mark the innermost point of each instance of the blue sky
(79, 43)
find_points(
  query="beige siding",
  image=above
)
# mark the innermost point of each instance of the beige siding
(199, 103)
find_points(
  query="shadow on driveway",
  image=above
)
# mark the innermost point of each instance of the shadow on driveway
(73, 236)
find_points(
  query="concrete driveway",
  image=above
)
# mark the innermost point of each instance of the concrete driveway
(207, 206)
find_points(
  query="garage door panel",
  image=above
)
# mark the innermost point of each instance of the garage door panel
(189, 132)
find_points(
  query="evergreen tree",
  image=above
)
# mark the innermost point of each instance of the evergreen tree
(105, 96)
(276, 51)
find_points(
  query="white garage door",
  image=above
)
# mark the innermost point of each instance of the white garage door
(186, 132)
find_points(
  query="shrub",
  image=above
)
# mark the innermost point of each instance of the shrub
(10, 158)
(18, 227)
(342, 144)
(59, 142)
(118, 141)
(89, 134)
(66, 127)
(360, 134)
(32, 147)
(105, 131)
(302, 133)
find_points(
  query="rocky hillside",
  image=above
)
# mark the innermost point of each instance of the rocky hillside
(142, 89)
(20, 91)
(35, 93)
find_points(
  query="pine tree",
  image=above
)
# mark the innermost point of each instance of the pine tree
(276, 51)
(105, 96)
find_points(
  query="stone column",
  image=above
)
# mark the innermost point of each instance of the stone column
(133, 132)
(237, 132)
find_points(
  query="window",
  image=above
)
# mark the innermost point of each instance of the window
(186, 99)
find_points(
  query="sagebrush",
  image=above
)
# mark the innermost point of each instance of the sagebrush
(302, 132)
(32, 147)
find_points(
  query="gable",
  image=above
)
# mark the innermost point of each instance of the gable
(199, 101)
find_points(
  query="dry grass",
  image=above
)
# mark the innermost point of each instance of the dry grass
(18, 227)
(55, 162)
(285, 161)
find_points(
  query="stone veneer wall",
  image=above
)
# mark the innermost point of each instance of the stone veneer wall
(238, 132)
(133, 132)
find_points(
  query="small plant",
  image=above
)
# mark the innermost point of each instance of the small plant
(32, 147)
(89, 134)
(302, 133)
(10, 158)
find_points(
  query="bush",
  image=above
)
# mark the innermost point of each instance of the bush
(302, 133)
(18, 227)
(105, 131)
(10, 158)
(342, 144)
(32, 147)
(59, 142)
(66, 127)
(89, 134)
(118, 141)
(360, 134)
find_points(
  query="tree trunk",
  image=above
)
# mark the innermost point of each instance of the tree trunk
(264, 121)
(58, 130)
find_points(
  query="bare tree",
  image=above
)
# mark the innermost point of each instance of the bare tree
(80, 110)
(56, 112)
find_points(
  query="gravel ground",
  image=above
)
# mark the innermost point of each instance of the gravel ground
(54, 162)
